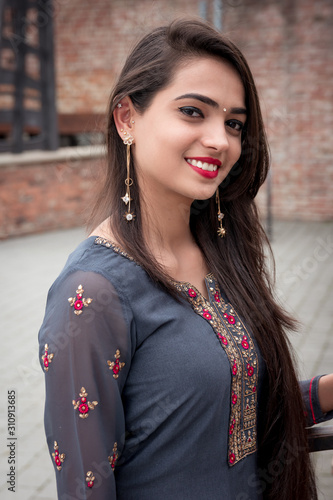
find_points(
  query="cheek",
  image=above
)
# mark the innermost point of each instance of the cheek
(235, 151)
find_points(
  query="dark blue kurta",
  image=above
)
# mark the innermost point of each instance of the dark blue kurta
(147, 397)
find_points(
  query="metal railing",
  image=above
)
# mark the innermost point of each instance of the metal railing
(320, 438)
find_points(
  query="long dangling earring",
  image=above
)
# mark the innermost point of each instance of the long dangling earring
(128, 141)
(221, 231)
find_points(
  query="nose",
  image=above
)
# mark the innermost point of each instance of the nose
(216, 138)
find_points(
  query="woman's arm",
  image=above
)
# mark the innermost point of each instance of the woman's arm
(317, 397)
(85, 354)
(325, 392)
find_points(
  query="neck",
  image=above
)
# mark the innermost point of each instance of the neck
(166, 225)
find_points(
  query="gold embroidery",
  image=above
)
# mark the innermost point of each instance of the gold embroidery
(240, 349)
(113, 459)
(83, 405)
(116, 366)
(79, 301)
(109, 244)
(47, 358)
(90, 478)
(58, 458)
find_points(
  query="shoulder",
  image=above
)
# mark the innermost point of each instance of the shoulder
(97, 262)
(85, 305)
(103, 273)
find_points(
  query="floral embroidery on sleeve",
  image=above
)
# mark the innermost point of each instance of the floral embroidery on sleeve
(47, 358)
(116, 366)
(114, 457)
(90, 478)
(83, 405)
(58, 457)
(79, 301)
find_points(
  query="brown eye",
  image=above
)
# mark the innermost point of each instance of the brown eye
(191, 111)
(236, 125)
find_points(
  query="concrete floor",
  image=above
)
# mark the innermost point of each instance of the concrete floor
(304, 258)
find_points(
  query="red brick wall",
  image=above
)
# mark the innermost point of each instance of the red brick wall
(288, 46)
(41, 196)
(93, 40)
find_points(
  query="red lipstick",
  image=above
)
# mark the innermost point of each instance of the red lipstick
(205, 173)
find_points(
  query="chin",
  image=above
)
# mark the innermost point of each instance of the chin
(205, 196)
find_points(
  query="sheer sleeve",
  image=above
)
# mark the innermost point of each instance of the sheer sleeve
(314, 414)
(85, 351)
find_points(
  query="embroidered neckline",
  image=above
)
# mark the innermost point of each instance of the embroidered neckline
(241, 352)
(109, 244)
(118, 249)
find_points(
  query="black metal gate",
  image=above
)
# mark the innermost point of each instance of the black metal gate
(28, 118)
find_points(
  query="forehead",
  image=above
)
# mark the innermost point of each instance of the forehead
(210, 75)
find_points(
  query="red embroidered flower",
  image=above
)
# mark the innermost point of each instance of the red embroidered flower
(250, 371)
(113, 459)
(58, 458)
(232, 458)
(83, 405)
(224, 340)
(234, 399)
(231, 428)
(47, 358)
(79, 301)
(90, 479)
(245, 343)
(234, 368)
(206, 314)
(230, 318)
(116, 366)
(216, 297)
(83, 408)
(254, 388)
(192, 293)
(78, 304)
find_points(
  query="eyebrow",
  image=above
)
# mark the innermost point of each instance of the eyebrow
(211, 102)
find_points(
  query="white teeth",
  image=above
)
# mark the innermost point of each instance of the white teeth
(204, 166)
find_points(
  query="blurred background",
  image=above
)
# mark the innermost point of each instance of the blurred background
(58, 62)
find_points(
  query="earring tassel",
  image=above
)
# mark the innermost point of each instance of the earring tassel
(129, 216)
(221, 231)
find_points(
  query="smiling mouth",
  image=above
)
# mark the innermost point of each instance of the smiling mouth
(209, 167)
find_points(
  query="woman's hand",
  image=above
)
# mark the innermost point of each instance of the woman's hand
(325, 392)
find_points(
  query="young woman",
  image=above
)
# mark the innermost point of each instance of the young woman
(168, 371)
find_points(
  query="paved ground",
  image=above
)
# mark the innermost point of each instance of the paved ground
(304, 257)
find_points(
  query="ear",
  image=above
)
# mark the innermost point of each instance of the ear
(123, 117)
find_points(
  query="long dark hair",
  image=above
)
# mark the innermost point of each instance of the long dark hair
(237, 261)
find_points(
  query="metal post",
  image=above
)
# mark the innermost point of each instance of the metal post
(203, 10)
(18, 112)
(217, 14)
(48, 94)
(269, 221)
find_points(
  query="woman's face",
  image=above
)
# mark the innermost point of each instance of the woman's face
(189, 138)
